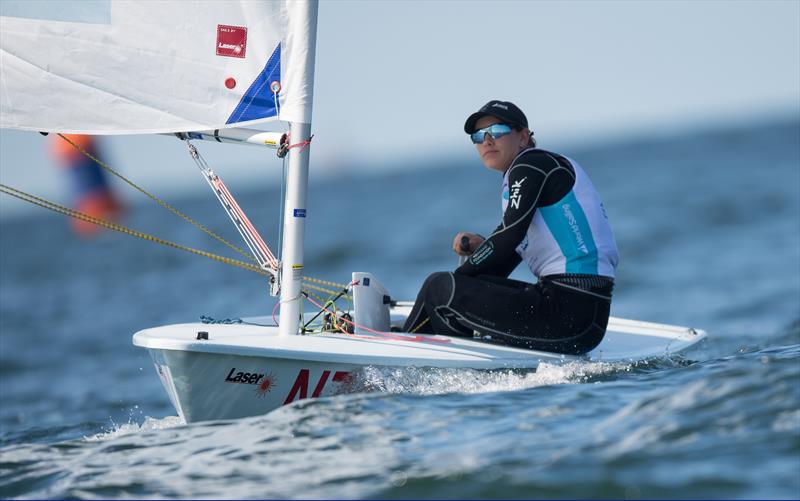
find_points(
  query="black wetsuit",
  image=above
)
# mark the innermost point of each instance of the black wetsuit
(563, 312)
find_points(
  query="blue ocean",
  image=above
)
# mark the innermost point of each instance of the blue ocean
(708, 226)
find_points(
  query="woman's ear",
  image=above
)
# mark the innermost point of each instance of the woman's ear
(524, 138)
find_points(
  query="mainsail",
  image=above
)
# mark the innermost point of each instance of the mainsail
(133, 67)
(141, 67)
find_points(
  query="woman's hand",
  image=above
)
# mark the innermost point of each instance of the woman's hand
(464, 244)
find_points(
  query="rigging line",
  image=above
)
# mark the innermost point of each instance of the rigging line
(388, 335)
(275, 87)
(324, 282)
(308, 287)
(246, 229)
(283, 210)
(159, 201)
(302, 144)
(415, 329)
(33, 199)
(123, 229)
(318, 298)
(280, 302)
(329, 301)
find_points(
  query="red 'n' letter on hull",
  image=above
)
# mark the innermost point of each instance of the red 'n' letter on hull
(299, 390)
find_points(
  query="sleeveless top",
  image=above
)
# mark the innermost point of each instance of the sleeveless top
(572, 235)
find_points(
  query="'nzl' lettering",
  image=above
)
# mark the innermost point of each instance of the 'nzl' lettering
(299, 390)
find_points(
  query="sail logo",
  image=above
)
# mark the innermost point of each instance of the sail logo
(231, 41)
(229, 46)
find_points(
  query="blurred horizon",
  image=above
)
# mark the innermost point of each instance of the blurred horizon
(390, 97)
(247, 165)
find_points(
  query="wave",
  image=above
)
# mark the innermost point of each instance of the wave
(149, 424)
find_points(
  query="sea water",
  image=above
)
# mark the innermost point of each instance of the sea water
(708, 226)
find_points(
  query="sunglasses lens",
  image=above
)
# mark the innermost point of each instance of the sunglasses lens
(499, 130)
(495, 131)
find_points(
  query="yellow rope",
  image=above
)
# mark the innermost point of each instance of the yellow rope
(318, 298)
(156, 199)
(128, 231)
(325, 282)
(179, 213)
(415, 329)
(123, 229)
(322, 289)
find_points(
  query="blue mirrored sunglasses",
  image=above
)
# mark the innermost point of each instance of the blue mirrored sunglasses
(495, 131)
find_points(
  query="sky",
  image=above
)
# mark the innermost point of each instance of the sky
(395, 80)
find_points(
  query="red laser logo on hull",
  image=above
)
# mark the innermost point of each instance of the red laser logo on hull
(266, 385)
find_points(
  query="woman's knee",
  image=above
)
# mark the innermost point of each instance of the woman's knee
(438, 288)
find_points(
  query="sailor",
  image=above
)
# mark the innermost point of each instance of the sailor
(92, 194)
(554, 221)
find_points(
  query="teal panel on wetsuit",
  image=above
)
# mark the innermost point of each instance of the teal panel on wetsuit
(570, 228)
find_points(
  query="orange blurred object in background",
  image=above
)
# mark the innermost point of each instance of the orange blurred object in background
(90, 190)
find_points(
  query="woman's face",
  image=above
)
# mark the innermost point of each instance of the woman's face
(497, 154)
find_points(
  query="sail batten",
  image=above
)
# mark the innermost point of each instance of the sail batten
(156, 67)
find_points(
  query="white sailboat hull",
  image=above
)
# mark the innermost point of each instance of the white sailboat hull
(245, 370)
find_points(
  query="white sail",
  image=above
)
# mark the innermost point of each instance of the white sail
(123, 67)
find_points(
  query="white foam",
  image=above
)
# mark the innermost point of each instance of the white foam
(149, 424)
(431, 381)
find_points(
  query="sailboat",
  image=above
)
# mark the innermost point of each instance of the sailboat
(210, 72)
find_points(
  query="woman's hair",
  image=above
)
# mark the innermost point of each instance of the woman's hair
(531, 139)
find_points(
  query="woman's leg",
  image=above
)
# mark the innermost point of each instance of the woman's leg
(456, 305)
(534, 316)
(571, 321)
(418, 320)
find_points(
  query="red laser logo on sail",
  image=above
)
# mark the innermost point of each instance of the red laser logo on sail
(231, 40)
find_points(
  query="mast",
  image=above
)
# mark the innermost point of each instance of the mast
(294, 228)
(294, 214)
